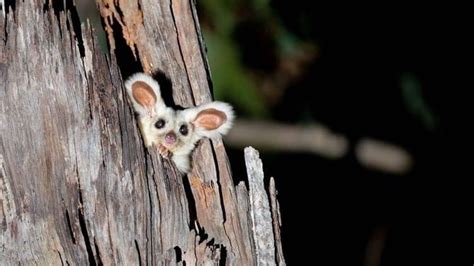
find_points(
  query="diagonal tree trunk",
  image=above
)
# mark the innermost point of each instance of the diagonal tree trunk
(77, 185)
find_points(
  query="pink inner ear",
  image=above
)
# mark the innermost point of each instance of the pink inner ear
(143, 94)
(210, 119)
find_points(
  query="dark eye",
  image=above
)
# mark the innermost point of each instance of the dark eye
(183, 130)
(160, 123)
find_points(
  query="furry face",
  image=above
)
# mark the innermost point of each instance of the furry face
(175, 133)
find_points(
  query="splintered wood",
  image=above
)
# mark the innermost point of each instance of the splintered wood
(77, 185)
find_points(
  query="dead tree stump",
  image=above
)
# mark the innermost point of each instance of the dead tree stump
(77, 185)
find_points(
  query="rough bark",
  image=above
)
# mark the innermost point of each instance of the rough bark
(266, 231)
(77, 185)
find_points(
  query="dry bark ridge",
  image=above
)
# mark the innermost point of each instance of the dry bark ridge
(77, 185)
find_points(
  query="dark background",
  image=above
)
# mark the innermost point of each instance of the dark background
(333, 209)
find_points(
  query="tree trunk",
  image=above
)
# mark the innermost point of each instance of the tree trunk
(77, 185)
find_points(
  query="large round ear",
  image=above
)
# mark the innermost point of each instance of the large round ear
(144, 92)
(212, 119)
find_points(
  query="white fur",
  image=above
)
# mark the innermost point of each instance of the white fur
(181, 157)
(142, 111)
(182, 162)
(191, 113)
(152, 136)
(147, 127)
(147, 117)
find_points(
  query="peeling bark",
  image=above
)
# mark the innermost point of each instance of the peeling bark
(77, 185)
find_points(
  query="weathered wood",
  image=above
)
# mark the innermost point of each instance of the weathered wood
(77, 185)
(166, 36)
(275, 206)
(2, 7)
(262, 226)
(73, 164)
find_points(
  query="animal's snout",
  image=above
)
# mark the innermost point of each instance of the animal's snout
(170, 138)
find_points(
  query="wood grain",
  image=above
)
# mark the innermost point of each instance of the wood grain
(77, 185)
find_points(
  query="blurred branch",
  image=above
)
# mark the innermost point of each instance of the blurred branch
(273, 136)
(383, 156)
(320, 140)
